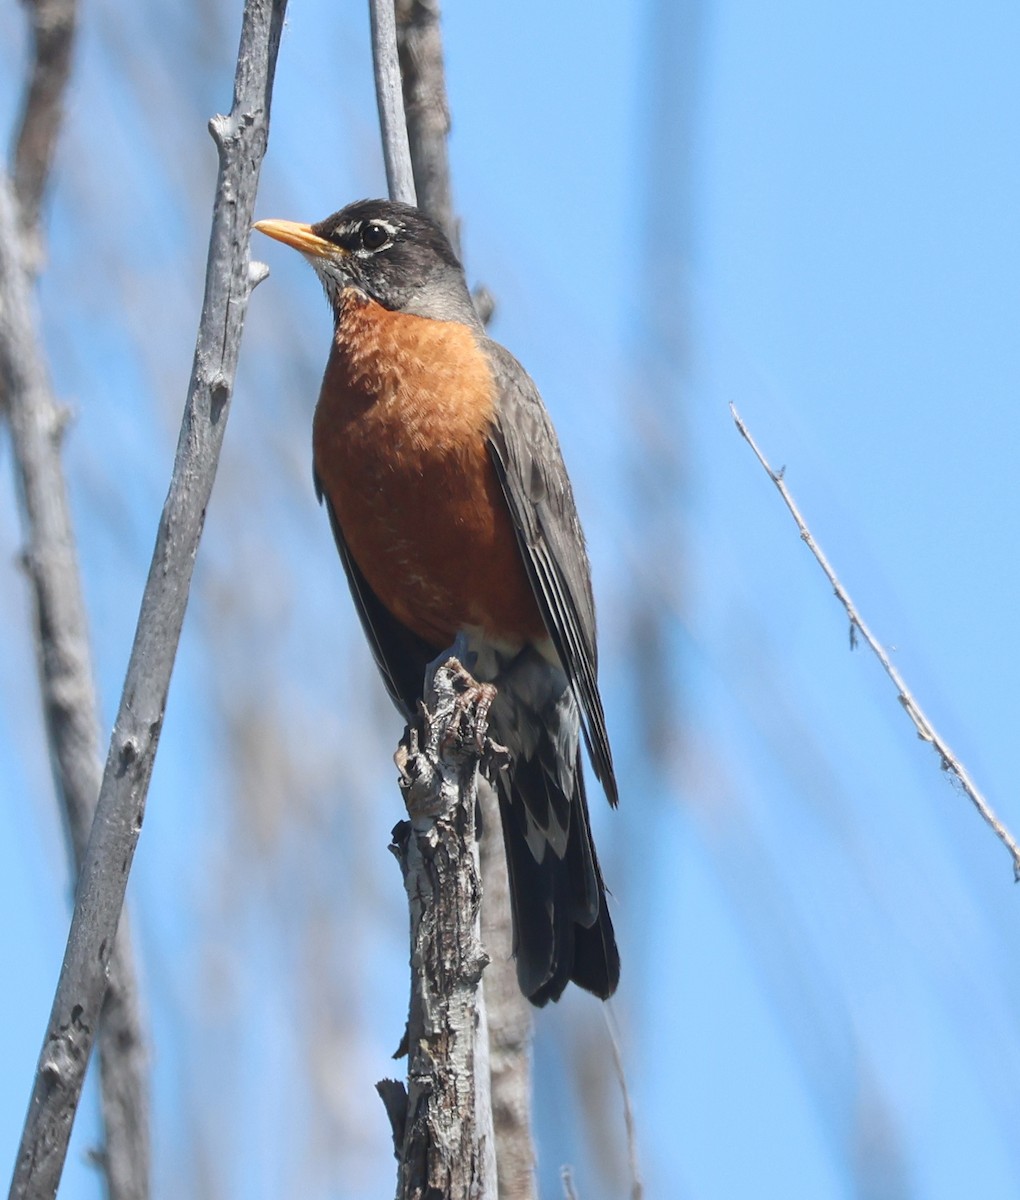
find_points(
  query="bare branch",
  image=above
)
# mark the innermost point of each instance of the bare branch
(447, 1144)
(399, 178)
(241, 140)
(925, 730)
(53, 28)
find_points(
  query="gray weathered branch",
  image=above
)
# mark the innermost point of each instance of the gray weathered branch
(241, 140)
(443, 1122)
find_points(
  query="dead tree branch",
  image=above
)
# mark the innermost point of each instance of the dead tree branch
(925, 730)
(241, 140)
(443, 1123)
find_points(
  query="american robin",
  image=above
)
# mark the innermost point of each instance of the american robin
(453, 514)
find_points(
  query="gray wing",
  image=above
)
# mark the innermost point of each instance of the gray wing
(529, 463)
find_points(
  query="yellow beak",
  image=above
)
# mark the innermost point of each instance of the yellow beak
(301, 237)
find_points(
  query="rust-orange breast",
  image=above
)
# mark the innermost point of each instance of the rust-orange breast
(400, 448)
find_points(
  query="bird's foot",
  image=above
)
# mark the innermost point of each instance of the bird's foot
(448, 739)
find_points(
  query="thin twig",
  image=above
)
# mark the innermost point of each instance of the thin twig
(925, 730)
(637, 1187)
(388, 94)
(241, 140)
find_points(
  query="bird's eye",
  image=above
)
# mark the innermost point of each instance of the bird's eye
(374, 236)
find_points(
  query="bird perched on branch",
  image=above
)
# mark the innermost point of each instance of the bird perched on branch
(454, 515)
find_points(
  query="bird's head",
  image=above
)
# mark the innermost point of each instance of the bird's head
(390, 252)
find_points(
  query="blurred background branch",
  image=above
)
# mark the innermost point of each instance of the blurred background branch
(53, 28)
(69, 702)
(66, 679)
(423, 82)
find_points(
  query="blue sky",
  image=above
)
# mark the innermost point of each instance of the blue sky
(820, 937)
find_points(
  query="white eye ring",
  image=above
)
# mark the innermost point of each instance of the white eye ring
(375, 235)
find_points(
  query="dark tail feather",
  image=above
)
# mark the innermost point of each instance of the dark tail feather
(562, 928)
